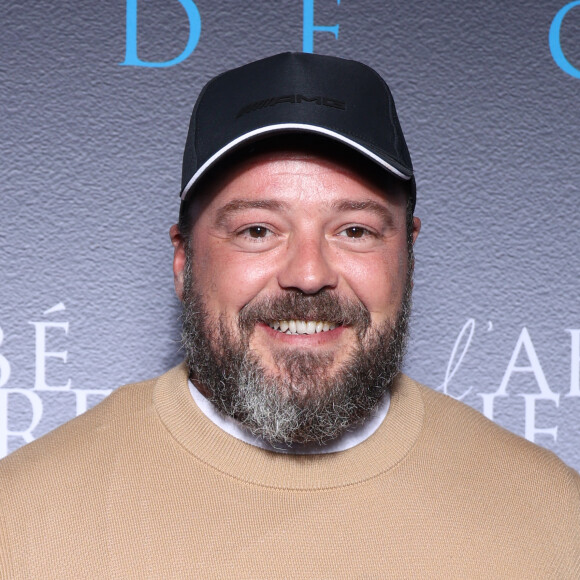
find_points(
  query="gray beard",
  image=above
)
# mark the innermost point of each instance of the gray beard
(302, 403)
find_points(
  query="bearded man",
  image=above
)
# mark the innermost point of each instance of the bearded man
(303, 351)
(289, 444)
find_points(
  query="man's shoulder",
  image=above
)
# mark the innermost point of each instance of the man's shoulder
(86, 439)
(469, 436)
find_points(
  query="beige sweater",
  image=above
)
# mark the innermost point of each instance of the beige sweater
(145, 486)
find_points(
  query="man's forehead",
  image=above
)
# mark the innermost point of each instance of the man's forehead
(290, 158)
(281, 157)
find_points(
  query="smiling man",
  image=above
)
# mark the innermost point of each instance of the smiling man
(296, 283)
(289, 444)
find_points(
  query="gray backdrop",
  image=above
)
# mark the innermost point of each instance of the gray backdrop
(90, 174)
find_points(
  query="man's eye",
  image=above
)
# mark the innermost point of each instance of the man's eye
(256, 232)
(355, 232)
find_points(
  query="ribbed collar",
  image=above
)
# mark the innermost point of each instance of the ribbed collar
(212, 446)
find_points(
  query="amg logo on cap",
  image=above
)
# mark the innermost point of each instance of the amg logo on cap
(324, 101)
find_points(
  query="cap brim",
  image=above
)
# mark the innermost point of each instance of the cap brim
(262, 132)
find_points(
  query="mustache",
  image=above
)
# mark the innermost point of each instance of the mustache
(326, 305)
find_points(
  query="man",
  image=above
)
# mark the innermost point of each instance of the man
(296, 449)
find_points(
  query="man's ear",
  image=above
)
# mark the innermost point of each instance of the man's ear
(178, 259)
(416, 228)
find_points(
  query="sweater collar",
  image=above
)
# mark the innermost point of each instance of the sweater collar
(200, 437)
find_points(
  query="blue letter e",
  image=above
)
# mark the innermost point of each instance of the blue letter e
(131, 58)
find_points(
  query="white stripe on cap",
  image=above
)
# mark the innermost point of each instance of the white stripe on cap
(281, 128)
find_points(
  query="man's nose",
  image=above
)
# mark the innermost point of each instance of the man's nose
(308, 266)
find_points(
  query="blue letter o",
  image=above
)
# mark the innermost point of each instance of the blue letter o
(556, 47)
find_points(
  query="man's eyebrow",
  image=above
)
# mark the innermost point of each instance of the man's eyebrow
(365, 205)
(241, 204)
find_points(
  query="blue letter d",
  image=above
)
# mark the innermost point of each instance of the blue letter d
(131, 58)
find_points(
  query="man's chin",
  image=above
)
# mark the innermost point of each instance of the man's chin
(297, 373)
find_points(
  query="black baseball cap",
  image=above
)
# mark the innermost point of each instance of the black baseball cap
(296, 93)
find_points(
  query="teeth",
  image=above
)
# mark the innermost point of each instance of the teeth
(302, 326)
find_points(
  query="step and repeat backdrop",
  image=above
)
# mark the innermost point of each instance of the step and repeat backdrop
(95, 104)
